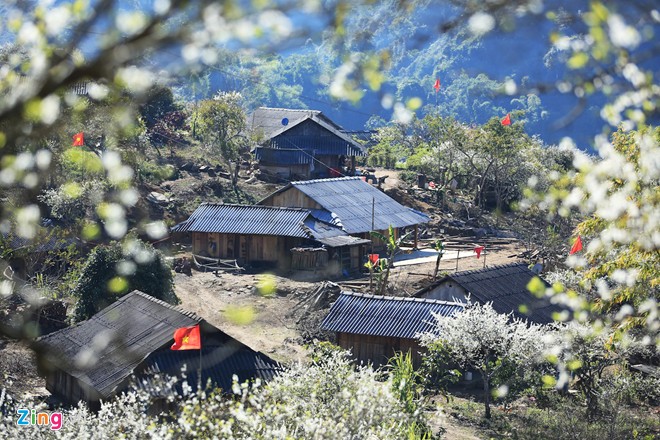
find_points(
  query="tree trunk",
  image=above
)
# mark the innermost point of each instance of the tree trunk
(437, 266)
(383, 285)
(486, 394)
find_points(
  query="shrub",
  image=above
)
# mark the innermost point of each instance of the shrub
(155, 173)
(408, 176)
(114, 270)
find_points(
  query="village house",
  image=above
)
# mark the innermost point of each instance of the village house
(376, 327)
(351, 204)
(95, 359)
(505, 286)
(267, 236)
(302, 144)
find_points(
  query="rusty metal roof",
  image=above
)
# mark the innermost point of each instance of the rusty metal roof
(389, 316)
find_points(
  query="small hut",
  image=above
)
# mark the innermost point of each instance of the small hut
(95, 359)
(302, 144)
(376, 327)
(505, 286)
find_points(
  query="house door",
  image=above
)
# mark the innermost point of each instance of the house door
(231, 245)
(244, 246)
(200, 241)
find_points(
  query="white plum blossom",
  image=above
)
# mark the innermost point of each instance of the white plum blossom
(480, 339)
(326, 400)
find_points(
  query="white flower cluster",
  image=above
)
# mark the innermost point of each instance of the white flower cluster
(330, 399)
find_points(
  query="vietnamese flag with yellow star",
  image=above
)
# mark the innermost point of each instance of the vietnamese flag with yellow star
(79, 139)
(187, 338)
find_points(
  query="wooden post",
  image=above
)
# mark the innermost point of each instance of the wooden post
(199, 376)
(373, 220)
(416, 236)
(457, 254)
(484, 252)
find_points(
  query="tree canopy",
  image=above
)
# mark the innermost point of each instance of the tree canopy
(108, 275)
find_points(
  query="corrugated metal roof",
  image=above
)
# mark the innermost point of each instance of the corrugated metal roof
(326, 216)
(124, 335)
(42, 243)
(246, 219)
(318, 229)
(350, 199)
(342, 240)
(219, 364)
(115, 340)
(336, 144)
(269, 120)
(258, 220)
(282, 156)
(388, 316)
(506, 287)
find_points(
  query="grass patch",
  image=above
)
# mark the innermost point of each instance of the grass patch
(567, 420)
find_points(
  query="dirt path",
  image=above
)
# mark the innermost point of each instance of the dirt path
(233, 304)
(18, 372)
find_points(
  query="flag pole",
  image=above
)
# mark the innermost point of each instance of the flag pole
(484, 251)
(457, 254)
(199, 373)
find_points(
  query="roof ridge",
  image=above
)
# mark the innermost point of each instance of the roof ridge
(331, 179)
(402, 298)
(178, 309)
(489, 268)
(290, 109)
(284, 208)
(124, 298)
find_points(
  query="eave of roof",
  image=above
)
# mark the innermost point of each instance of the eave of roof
(246, 219)
(342, 240)
(258, 220)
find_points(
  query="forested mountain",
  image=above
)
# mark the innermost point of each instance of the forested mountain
(513, 67)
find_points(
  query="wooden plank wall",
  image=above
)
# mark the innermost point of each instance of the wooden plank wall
(246, 248)
(286, 171)
(378, 349)
(291, 198)
(68, 388)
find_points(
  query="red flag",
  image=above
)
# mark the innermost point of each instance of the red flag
(78, 139)
(187, 338)
(577, 246)
(506, 120)
(478, 250)
(373, 258)
(436, 86)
